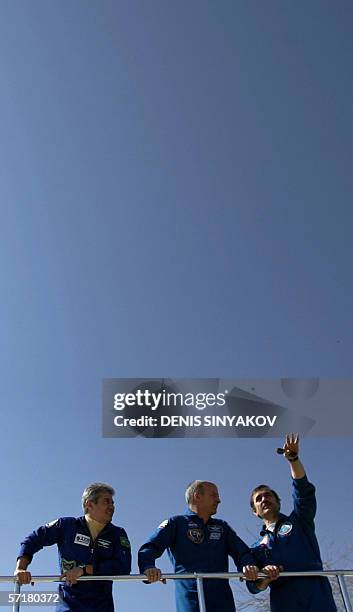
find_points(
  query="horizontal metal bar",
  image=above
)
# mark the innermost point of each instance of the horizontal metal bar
(219, 576)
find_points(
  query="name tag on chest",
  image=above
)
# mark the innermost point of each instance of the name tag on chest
(82, 539)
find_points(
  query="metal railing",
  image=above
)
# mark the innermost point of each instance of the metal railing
(199, 577)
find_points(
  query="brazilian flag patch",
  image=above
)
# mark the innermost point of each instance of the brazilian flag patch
(124, 542)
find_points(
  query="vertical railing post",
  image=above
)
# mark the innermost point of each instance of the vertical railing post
(200, 593)
(344, 592)
(17, 591)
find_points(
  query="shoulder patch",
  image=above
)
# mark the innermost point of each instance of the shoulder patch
(163, 524)
(52, 523)
(124, 542)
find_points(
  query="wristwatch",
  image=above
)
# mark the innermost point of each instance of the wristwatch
(83, 567)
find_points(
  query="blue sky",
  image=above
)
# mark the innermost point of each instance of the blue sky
(176, 200)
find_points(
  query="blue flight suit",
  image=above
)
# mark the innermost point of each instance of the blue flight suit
(293, 545)
(195, 546)
(109, 554)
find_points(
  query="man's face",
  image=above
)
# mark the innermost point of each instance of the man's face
(266, 505)
(208, 501)
(103, 510)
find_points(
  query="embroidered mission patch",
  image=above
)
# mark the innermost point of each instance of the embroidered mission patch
(196, 535)
(285, 529)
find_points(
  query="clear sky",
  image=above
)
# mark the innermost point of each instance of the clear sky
(176, 200)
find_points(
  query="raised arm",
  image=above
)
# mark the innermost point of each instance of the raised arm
(303, 491)
(291, 453)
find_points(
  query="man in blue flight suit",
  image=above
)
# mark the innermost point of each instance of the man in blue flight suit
(290, 542)
(198, 543)
(89, 545)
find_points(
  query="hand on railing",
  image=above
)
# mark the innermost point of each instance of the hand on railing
(273, 572)
(250, 572)
(22, 576)
(154, 574)
(72, 575)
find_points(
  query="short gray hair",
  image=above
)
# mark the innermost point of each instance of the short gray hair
(197, 486)
(93, 491)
